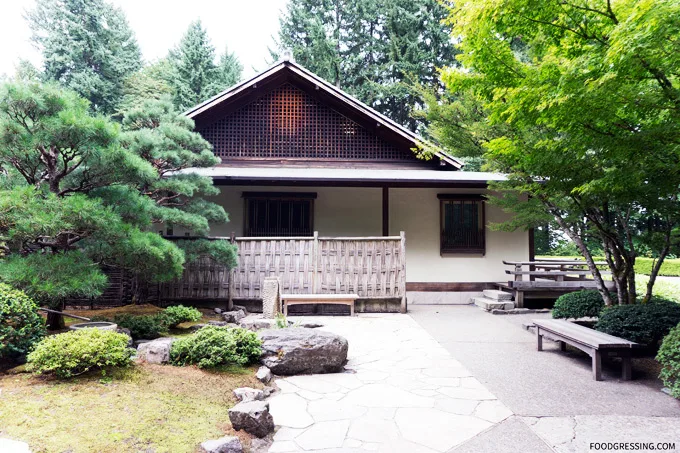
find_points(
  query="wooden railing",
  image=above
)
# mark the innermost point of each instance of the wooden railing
(372, 267)
(551, 273)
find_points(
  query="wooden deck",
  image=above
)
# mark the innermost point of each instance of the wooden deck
(548, 279)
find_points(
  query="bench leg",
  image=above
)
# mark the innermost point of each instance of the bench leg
(627, 372)
(563, 346)
(539, 340)
(597, 365)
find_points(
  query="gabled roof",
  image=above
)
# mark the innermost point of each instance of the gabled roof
(336, 93)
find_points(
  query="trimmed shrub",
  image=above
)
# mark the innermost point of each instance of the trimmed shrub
(73, 353)
(144, 327)
(669, 358)
(178, 314)
(213, 346)
(643, 323)
(579, 304)
(20, 324)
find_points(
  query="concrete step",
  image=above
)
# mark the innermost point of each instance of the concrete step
(489, 304)
(495, 294)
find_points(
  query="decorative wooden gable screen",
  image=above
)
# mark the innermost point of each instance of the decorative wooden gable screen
(289, 123)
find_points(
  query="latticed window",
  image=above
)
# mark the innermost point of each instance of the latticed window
(291, 124)
(462, 224)
(279, 214)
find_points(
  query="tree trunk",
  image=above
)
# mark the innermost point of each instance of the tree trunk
(55, 321)
(601, 288)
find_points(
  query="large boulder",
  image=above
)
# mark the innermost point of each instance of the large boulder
(253, 417)
(227, 444)
(302, 351)
(155, 351)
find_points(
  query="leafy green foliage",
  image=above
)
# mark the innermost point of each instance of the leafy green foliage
(178, 314)
(142, 327)
(152, 82)
(376, 50)
(569, 97)
(20, 324)
(80, 193)
(73, 353)
(87, 46)
(669, 358)
(50, 279)
(643, 323)
(214, 346)
(670, 267)
(579, 304)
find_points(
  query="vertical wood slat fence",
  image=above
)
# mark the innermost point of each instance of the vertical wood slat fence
(372, 267)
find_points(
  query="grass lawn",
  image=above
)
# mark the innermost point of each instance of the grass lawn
(151, 408)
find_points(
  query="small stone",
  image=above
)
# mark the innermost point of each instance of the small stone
(259, 445)
(218, 323)
(257, 322)
(253, 417)
(248, 394)
(268, 391)
(496, 311)
(310, 325)
(242, 308)
(218, 310)
(233, 316)
(155, 351)
(227, 444)
(196, 327)
(264, 374)
(543, 310)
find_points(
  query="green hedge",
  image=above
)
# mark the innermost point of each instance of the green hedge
(646, 323)
(72, 353)
(579, 304)
(669, 358)
(643, 266)
(213, 346)
(20, 324)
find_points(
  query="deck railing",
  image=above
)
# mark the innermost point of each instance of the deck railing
(372, 267)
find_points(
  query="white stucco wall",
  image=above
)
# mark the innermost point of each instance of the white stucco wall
(340, 211)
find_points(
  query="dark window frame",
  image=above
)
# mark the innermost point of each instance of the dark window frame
(273, 203)
(476, 242)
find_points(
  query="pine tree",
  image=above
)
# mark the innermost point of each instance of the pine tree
(228, 72)
(87, 46)
(152, 82)
(195, 69)
(376, 50)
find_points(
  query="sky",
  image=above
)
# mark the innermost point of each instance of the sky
(246, 27)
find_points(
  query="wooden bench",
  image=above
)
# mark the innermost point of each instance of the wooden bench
(300, 299)
(590, 341)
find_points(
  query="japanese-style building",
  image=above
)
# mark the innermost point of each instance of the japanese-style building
(304, 162)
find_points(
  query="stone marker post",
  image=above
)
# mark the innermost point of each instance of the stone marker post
(271, 297)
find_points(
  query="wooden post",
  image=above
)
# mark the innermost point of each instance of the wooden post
(402, 283)
(597, 365)
(385, 211)
(539, 339)
(315, 264)
(626, 372)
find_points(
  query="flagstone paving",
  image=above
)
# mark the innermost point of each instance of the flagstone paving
(402, 391)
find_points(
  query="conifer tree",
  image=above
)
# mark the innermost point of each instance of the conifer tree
(87, 46)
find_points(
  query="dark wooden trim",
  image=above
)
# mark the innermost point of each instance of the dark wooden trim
(395, 184)
(385, 211)
(278, 195)
(461, 196)
(477, 250)
(449, 286)
(532, 245)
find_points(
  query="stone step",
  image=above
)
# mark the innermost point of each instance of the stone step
(489, 304)
(495, 294)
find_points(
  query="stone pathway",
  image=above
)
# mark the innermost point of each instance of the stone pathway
(402, 392)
